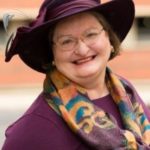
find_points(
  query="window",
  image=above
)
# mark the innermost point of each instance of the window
(143, 25)
(3, 35)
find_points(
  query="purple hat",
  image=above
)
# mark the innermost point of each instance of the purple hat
(31, 42)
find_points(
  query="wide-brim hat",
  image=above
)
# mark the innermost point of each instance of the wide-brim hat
(31, 42)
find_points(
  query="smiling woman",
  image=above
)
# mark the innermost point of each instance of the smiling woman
(84, 105)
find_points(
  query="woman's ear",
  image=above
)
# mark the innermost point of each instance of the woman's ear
(112, 49)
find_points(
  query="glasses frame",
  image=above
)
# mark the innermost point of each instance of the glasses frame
(81, 38)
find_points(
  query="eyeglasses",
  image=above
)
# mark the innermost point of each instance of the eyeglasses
(69, 43)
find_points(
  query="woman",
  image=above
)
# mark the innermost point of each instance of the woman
(84, 105)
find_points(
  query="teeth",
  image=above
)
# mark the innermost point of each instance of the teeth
(84, 60)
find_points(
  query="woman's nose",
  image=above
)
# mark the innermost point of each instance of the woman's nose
(82, 48)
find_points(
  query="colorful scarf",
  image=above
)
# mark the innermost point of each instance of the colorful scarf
(96, 127)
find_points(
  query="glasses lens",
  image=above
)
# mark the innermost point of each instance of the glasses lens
(92, 36)
(67, 43)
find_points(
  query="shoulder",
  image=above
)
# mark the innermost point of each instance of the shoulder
(37, 127)
(134, 95)
(126, 82)
(129, 87)
(31, 132)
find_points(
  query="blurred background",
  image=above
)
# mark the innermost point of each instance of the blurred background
(20, 85)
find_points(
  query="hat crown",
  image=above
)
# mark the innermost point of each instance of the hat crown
(50, 4)
(60, 8)
(55, 9)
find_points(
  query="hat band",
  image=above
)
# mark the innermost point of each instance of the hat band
(70, 8)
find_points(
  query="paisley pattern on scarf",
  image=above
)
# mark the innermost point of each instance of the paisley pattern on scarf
(96, 127)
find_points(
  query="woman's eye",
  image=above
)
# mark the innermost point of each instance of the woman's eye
(92, 34)
(65, 42)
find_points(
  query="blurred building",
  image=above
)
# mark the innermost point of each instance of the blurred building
(133, 63)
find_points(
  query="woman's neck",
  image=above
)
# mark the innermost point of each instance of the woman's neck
(100, 91)
(96, 87)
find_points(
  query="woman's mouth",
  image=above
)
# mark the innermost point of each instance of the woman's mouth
(84, 60)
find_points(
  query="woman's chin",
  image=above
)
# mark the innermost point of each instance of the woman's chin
(87, 72)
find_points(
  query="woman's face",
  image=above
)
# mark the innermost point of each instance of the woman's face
(82, 48)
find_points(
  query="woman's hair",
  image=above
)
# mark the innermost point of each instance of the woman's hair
(114, 40)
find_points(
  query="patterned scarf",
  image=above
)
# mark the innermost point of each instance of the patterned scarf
(96, 127)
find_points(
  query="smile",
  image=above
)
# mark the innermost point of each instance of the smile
(84, 60)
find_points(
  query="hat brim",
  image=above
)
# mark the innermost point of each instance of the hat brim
(34, 48)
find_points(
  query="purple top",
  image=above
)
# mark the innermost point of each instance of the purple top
(41, 128)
